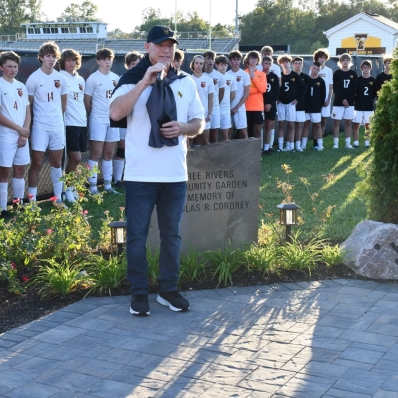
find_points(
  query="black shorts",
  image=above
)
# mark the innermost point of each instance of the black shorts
(76, 139)
(271, 115)
(254, 117)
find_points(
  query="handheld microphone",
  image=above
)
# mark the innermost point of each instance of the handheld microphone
(159, 75)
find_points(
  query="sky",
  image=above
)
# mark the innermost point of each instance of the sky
(222, 11)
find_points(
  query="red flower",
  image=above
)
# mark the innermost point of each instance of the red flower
(81, 194)
(16, 200)
(30, 196)
(13, 265)
(49, 231)
(85, 212)
(54, 198)
(87, 166)
(24, 278)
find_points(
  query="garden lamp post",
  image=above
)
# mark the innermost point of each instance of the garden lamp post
(288, 217)
(118, 234)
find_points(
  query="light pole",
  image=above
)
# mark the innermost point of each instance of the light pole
(236, 19)
(210, 26)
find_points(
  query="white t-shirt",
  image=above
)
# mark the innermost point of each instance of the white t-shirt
(100, 87)
(75, 114)
(47, 106)
(274, 68)
(219, 82)
(166, 164)
(230, 85)
(242, 81)
(205, 86)
(13, 103)
(327, 75)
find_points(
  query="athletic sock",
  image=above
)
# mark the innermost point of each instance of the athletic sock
(93, 178)
(271, 142)
(348, 141)
(32, 191)
(298, 145)
(3, 195)
(320, 142)
(280, 142)
(356, 143)
(335, 140)
(56, 174)
(304, 142)
(266, 147)
(107, 173)
(18, 187)
(118, 166)
(366, 142)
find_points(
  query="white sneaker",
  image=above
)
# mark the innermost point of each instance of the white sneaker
(112, 191)
(303, 148)
(335, 146)
(70, 197)
(320, 148)
(60, 203)
(299, 149)
(349, 146)
(94, 192)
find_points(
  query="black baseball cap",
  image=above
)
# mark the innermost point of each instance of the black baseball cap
(160, 33)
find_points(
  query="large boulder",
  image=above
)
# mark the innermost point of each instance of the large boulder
(373, 250)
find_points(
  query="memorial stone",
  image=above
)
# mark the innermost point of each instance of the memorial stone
(222, 196)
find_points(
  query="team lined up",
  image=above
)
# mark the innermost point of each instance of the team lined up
(61, 103)
(262, 93)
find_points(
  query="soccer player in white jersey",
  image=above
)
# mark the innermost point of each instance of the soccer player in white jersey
(14, 130)
(75, 114)
(229, 95)
(205, 88)
(219, 86)
(238, 109)
(130, 60)
(47, 91)
(103, 138)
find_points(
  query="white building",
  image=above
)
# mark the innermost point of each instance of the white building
(365, 34)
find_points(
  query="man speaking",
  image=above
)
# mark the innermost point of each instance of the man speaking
(162, 109)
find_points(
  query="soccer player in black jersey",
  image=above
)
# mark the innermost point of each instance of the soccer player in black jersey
(344, 87)
(384, 76)
(300, 107)
(364, 102)
(314, 101)
(288, 99)
(270, 98)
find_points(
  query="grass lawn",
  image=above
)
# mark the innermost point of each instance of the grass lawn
(331, 173)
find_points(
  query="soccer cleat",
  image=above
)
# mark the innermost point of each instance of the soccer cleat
(356, 146)
(349, 146)
(70, 197)
(112, 191)
(139, 305)
(94, 192)
(268, 152)
(320, 148)
(292, 150)
(279, 150)
(299, 150)
(60, 203)
(119, 184)
(335, 146)
(315, 148)
(173, 300)
(303, 147)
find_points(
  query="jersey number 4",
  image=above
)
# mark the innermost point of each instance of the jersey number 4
(16, 105)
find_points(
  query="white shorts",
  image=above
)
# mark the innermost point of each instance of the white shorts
(341, 112)
(314, 117)
(225, 120)
(43, 139)
(239, 120)
(207, 126)
(103, 132)
(286, 112)
(300, 116)
(122, 133)
(10, 154)
(362, 116)
(325, 111)
(215, 119)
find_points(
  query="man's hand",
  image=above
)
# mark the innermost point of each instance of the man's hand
(327, 103)
(234, 110)
(171, 129)
(150, 75)
(295, 102)
(24, 132)
(267, 107)
(208, 117)
(22, 141)
(345, 103)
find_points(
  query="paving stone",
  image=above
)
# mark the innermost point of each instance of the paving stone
(391, 384)
(336, 393)
(324, 370)
(74, 363)
(368, 338)
(353, 364)
(383, 328)
(59, 334)
(128, 375)
(387, 365)
(226, 375)
(33, 390)
(53, 351)
(109, 388)
(196, 371)
(86, 322)
(386, 394)
(10, 379)
(393, 296)
(184, 387)
(342, 282)
(24, 332)
(68, 380)
(127, 357)
(98, 368)
(9, 359)
(330, 283)
(276, 352)
(355, 283)
(361, 355)
(323, 342)
(24, 346)
(371, 347)
(360, 381)
(392, 353)
(386, 287)
(38, 365)
(7, 343)
(12, 337)
(224, 391)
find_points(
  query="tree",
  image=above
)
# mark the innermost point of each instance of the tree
(15, 12)
(87, 11)
(152, 17)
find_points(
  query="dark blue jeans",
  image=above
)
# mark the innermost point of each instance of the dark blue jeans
(141, 198)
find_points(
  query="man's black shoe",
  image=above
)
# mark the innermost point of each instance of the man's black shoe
(173, 300)
(119, 185)
(267, 152)
(139, 305)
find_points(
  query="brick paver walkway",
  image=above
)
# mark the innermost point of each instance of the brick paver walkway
(334, 338)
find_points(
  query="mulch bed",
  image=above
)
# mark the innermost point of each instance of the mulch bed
(17, 310)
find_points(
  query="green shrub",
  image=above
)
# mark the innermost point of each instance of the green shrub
(192, 265)
(263, 259)
(332, 255)
(224, 262)
(381, 183)
(105, 274)
(153, 264)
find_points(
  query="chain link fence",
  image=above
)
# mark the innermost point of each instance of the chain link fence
(30, 62)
